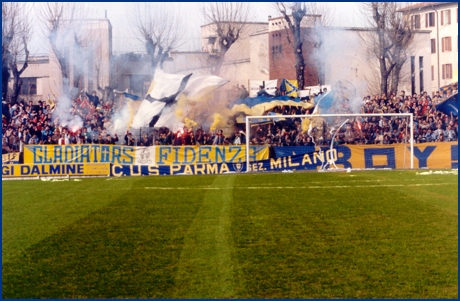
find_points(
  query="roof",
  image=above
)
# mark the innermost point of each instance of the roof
(248, 23)
(282, 17)
(421, 5)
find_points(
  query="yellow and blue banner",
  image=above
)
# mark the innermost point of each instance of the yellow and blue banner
(135, 155)
(117, 170)
(257, 106)
(442, 155)
(79, 153)
(205, 154)
(50, 170)
(194, 160)
(10, 158)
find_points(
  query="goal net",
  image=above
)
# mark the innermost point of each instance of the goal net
(332, 142)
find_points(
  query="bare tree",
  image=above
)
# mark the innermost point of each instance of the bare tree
(293, 13)
(159, 27)
(66, 33)
(306, 20)
(228, 20)
(16, 33)
(403, 38)
(390, 43)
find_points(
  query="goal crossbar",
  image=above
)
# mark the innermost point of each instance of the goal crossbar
(411, 118)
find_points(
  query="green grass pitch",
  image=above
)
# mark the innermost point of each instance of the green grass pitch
(378, 234)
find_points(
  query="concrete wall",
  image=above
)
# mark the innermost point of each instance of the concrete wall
(259, 57)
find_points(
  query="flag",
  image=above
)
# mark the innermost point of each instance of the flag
(50, 102)
(257, 106)
(198, 89)
(324, 101)
(127, 95)
(449, 89)
(160, 104)
(448, 106)
(290, 87)
(131, 96)
(162, 93)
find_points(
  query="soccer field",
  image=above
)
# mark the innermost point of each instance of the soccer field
(369, 234)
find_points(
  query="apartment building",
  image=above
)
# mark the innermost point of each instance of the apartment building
(43, 78)
(441, 18)
(340, 54)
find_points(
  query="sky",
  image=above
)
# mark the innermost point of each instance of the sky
(345, 14)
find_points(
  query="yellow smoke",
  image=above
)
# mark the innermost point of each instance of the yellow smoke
(181, 105)
(179, 113)
(217, 120)
(305, 124)
(190, 123)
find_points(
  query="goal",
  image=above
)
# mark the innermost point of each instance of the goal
(333, 142)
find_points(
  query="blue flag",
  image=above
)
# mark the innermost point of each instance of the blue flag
(131, 96)
(448, 106)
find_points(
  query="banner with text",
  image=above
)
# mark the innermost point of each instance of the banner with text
(50, 170)
(188, 169)
(269, 86)
(430, 155)
(209, 160)
(396, 156)
(153, 155)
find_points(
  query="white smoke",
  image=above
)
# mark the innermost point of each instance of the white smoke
(64, 114)
(120, 120)
(341, 54)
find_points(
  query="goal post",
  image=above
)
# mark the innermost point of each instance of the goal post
(334, 124)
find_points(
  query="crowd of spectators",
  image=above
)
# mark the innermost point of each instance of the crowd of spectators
(33, 123)
(430, 125)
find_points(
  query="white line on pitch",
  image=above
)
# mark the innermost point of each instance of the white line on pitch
(294, 187)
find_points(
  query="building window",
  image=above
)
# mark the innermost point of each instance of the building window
(354, 71)
(447, 71)
(429, 20)
(433, 45)
(412, 74)
(276, 50)
(446, 44)
(445, 17)
(29, 86)
(415, 21)
(420, 65)
(432, 72)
